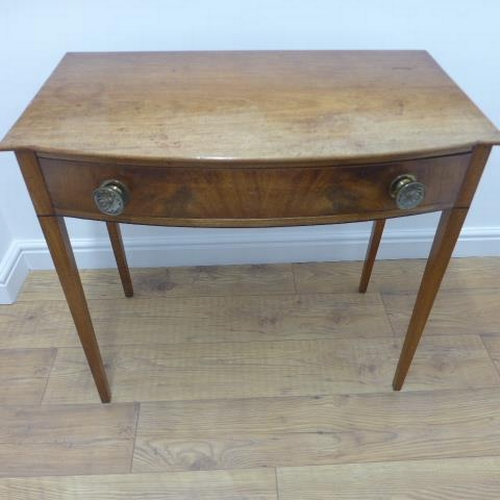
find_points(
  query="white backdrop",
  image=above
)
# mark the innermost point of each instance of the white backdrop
(463, 36)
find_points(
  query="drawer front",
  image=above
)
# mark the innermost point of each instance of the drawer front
(243, 196)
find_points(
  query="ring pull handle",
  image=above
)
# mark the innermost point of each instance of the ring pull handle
(407, 191)
(111, 197)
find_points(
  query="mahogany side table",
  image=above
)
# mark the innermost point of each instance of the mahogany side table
(249, 139)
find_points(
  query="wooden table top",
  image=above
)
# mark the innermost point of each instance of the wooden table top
(311, 106)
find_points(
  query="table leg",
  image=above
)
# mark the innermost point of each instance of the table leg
(115, 236)
(59, 245)
(446, 236)
(371, 254)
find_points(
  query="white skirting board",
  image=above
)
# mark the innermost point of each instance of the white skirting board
(241, 247)
(14, 269)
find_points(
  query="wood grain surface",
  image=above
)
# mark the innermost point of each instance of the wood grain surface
(225, 281)
(251, 195)
(154, 372)
(300, 389)
(213, 485)
(199, 320)
(459, 479)
(24, 374)
(467, 311)
(266, 279)
(278, 432)
(394, 276)
(54, 440)
(246, 106)
(492, 343)
(227, 370)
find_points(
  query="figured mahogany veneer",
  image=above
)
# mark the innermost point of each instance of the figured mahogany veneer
(242, 139)
(252, 196)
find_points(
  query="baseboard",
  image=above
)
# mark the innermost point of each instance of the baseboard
(14, 270)
(224, 247)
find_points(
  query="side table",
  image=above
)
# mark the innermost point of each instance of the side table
(249, 139)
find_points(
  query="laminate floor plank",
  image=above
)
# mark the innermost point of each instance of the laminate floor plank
(451, 362)
(455, 312)
(251, 279)
(311, 277)
(24, 374)
(268, 369)
(211, 485)
(40, 324)
(66, 440)
(392, 276)
(44, 285)
(262, 279)
(492, 343)
(226, 370)
(322, 430)
(343, 277)
(446, 479)
(199, 319)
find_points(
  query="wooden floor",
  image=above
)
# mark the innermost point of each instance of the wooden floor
(256, 383)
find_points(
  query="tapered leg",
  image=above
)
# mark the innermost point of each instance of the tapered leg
(115, 236)
(59, 245)
(371, 254)
(447, 234)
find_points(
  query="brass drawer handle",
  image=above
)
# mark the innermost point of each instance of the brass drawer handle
(407, 192)
(111, 197)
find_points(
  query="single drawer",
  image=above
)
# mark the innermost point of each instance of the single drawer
(251, 195)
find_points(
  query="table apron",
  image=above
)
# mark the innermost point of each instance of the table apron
(249, 197)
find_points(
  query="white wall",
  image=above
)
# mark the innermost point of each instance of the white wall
(6, 236)
(463, 36)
